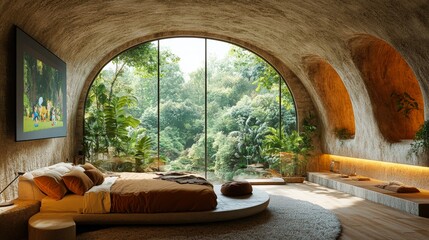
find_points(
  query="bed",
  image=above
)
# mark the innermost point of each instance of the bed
(157, 201)
(120, 193)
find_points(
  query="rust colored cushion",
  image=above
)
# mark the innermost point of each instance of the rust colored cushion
(77, 182)
(236, 188)
(51, 184)
(95, 175)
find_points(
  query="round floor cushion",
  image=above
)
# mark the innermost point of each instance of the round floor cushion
(236, 188)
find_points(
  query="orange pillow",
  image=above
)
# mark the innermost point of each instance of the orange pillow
(77, 182)
(51, 184)
(95, 175)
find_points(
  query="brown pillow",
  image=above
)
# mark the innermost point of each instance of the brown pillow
(88, 166)
(77, 182)
(236, 188)
(51, 184)
(95, 175)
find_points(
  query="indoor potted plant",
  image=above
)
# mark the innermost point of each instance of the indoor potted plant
(291, 151)
(294, 163)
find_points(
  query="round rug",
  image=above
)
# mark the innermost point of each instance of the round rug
(285, 218)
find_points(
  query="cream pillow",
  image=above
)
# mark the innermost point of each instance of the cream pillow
(61, 170)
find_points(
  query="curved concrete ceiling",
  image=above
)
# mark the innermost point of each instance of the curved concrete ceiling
(87, 34)
(91, 30)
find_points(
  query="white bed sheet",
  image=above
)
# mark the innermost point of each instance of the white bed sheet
(97, 199)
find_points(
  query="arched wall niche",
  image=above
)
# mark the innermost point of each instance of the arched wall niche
(334, 96)
(386, 76)
(303, 103)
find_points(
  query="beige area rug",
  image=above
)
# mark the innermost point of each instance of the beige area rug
(285, 218)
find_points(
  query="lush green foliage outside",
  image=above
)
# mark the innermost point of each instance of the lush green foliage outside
(289, 151)
(121, 114)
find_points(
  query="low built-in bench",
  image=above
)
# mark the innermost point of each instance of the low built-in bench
(14, 218)
(413, 203)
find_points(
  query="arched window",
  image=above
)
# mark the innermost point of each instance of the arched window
(187, 104)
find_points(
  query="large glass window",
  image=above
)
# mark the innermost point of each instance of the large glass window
(187, 104)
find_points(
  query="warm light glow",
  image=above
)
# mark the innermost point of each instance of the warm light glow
(386, 171)
(361, 161)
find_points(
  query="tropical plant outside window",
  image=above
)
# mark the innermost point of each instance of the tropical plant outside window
(187, 104)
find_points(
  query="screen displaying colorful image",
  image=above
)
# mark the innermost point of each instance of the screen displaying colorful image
(41, 91)
(43, 96)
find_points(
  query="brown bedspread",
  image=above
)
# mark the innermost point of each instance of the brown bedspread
(141, 193)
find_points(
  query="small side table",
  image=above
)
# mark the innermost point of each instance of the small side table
(14, 219)
(51, 227)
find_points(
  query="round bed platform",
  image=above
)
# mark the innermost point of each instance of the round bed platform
(228, 208)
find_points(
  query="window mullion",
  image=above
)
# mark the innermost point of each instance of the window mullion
(205, 109)
(158, 107)
(280, 104)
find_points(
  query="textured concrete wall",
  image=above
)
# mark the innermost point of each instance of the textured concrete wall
(87, 34)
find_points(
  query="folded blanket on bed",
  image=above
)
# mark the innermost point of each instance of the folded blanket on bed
(183, 178)
(398, 187)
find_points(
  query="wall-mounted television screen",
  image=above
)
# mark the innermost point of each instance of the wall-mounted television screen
(40, 91)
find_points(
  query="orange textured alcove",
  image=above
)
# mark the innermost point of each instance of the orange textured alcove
(385, 72)
(336, 99)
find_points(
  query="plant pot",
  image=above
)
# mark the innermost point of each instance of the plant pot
(296, 179)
